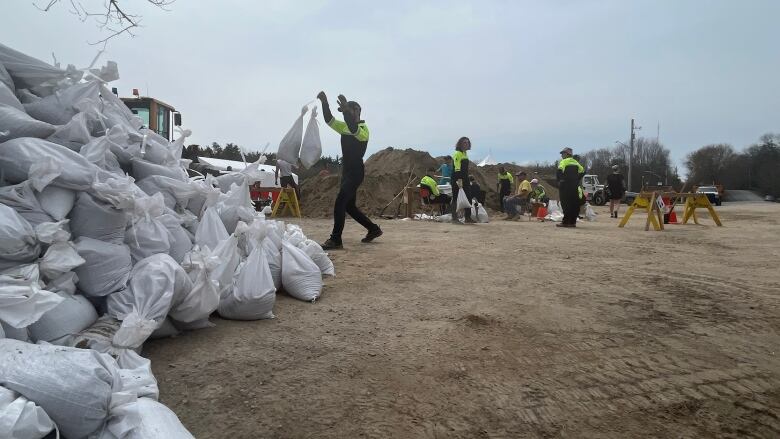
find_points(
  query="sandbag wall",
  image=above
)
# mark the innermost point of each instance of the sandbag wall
(104, 243)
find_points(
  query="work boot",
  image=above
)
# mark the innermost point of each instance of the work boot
(332, 244)
(372, 234)
(470, 221)
(510, 217)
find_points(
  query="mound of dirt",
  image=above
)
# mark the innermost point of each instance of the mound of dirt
(387, 173)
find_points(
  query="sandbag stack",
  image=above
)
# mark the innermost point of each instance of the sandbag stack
(105, 241)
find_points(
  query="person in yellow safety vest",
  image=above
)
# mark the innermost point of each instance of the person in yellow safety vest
(354, 140)
(435, 197)
(569, 174)
(460, 161)
(504, 186)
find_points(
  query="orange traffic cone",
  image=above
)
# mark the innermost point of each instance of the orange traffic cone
(672, 217)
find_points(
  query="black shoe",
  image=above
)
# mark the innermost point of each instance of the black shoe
(372, 234)
(330, 244)
(470, 221)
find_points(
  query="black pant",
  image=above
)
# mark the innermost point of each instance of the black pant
(351, 179)
(570, 204)
(455, 190)
(289, 181)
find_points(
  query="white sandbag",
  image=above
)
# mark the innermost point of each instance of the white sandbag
(318, 255)
(7, 97)
(23, 301)
(174, 191)
(64, 283)
(311, 147)
(60, 255)
(166, 330)
(5, 77)
(106, 267)
(206, 197)
(482, 215)
(60, 107)
(56, 201)
(590, 214)
(229, 257)
(15, 123)
(18, 242)
(94, 219)
(20, 334)
(80, 389)
(74, 314)
(203, 298)
(123, 142)
(274, 258)
(32, 73)
(143, 169)
(136, 374)
(177, 236)
(116, 113)
(290, 146)
(253, 294)
(22, 418)
(76, 133)
(463, 200)
(21, 197)
(301, 277)
(235, 206)
(250, 236)
(146, 235)
(211, 231)
(156, 284)
(45, 162)
(158, 422)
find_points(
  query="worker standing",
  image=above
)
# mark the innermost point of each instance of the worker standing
(504, 186)
(284, 170)
(616, 190)
(460, 161)
(354, 140)
(569, 174)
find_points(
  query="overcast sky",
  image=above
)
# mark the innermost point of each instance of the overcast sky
(521, 78)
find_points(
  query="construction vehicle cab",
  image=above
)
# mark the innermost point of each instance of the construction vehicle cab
(155, 114)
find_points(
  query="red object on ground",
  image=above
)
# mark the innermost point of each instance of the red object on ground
(541, 212)
(672, 217)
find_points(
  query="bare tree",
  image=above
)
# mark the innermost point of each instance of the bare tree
(110, 16)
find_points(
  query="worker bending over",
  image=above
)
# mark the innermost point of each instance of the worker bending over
(354, 140)
(435, 197)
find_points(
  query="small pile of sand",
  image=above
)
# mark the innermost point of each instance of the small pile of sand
(387, 172)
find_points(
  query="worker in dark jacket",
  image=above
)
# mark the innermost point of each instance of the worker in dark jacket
(354, 140)
(569, 174)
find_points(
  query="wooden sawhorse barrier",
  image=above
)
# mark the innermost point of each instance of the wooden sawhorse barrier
(289, 200)
(652, 203)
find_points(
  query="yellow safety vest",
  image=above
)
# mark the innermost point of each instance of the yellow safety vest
(457, 157)
(430, 184)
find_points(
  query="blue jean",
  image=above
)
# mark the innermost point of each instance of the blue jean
(512, 203)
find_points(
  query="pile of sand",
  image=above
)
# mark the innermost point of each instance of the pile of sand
(387, 173)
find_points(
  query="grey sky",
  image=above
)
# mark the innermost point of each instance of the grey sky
(520, 78)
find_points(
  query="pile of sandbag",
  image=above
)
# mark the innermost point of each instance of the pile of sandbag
(105, 243)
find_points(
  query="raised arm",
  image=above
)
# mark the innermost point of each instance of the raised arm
(351, 126)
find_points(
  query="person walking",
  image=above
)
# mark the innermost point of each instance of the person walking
(460, 161)
(569, 173)
(616, 190)
(504, 186)
(354, 140)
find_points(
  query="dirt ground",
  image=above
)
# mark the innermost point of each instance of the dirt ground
(505, 330)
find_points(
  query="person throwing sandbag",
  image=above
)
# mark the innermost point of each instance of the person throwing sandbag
(354, 140)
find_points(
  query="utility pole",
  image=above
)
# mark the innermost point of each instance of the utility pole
(631, 153)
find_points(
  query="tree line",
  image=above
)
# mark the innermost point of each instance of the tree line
(652, 164)
(754, 168)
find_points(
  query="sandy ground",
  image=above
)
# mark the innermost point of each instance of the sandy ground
(505, 330)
